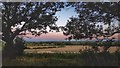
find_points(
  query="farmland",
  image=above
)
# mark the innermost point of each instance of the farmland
(60, 33)
(65, 59)
(66, 49)
(62, 43)
(62, 53)
(73, 46)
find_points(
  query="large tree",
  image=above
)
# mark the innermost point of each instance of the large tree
(30, 15)
(90, 15)
(34, 17)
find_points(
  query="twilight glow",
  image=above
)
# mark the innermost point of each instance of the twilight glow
(51, 36)
(63, 16)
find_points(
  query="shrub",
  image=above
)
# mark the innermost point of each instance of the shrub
(19, 45)
(14, 50)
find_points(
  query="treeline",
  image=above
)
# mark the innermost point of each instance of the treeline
(73, 43)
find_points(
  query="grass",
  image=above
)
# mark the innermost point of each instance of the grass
(68, 59)
(41, 47)
(84, 58)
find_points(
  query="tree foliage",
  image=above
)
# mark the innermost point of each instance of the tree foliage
(92, 18)
(30, 16)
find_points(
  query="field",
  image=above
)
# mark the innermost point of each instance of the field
(73, 46)
(65, 59)
(66, 49)
(65, 54)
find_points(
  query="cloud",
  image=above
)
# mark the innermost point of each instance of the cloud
(49, 36)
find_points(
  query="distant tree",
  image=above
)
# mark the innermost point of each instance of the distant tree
(32, 16)
(90, 14)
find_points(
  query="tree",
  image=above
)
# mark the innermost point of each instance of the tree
(35, 15)
(30, 16)
(90, 14)
(79, 29)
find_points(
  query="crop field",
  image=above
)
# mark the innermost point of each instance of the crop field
(65, 54)
(66, 49)
(69, 47)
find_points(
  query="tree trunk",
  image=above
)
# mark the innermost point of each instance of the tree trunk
(8, 50)
(12, 50)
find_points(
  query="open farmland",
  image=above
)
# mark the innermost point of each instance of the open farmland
(65, 59)
(67, 49)
(36, 54)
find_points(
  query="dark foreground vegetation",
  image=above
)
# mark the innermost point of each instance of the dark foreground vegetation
(85, 58)
(88, 58)
(62, 43)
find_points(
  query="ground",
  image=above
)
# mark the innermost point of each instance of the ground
(70, 48)
(67, 55)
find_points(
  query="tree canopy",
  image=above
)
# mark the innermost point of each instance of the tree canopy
(31, 16)
(91, 15)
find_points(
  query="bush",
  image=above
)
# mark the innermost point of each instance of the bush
(19, 46)
(12, 51)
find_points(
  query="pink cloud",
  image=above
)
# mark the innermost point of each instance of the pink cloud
(49, 36)
(60, 36)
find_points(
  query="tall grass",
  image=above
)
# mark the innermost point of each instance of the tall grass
(57, 59)
(85, 58)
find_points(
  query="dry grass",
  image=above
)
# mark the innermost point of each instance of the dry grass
(40, 47)
(70, 48)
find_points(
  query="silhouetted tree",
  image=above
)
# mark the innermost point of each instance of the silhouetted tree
(90, 15)
(18, 17)
(79, 29)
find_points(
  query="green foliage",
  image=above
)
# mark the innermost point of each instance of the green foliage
(116, 43)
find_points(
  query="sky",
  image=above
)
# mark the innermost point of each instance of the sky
(52, 36)
(63, 16)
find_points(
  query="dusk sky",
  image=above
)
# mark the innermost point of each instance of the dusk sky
(63, 16)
